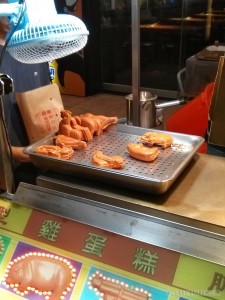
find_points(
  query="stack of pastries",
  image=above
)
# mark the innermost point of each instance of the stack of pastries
(83, 127)
(75, 132)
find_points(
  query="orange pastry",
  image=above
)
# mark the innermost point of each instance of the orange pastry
(62, 140)
(102, 160)
(140, 152)
(154, 138)
(55, 151)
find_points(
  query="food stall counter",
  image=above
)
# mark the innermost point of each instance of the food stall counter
(197, 194)
(112, 240)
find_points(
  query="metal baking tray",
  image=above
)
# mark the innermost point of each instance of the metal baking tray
(155, 177)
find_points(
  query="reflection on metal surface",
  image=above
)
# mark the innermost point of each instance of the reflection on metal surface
(205, 242)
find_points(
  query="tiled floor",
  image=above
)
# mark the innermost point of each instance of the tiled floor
(101, 104)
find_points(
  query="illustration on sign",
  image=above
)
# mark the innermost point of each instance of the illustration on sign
(35, 274)
(102, 284)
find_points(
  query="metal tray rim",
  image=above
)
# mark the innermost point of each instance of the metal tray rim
(117, 175)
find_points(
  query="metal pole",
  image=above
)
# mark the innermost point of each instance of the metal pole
(135, 14)
(6, 168)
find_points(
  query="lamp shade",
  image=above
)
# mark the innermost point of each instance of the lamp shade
(38, 34)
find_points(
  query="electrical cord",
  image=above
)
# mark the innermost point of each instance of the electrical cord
(11, 33)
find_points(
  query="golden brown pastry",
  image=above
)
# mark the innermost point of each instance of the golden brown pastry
(85, 132)
(50, 150)
(66, 152)
(102, 160)
(105, 121)
(64, 124)
(55, 151)
(68, 126)
(94, 125)
(140, 152)
(85, 126)
(62, 140)
(76, 134)
(154, 138)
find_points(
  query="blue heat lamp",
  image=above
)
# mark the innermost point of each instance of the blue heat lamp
(38, 34)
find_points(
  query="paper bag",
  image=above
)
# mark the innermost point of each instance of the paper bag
(40, 109)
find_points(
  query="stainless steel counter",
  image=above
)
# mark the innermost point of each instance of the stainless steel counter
(198, 194)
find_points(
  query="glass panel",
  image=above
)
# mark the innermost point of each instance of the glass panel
(170, 32)
(116, 41)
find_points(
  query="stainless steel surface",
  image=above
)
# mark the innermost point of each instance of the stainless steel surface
(155, 177)
(135, 34)
(196, 197)
(6, 195)
(147, 109)
(197, 239)
(170, 103)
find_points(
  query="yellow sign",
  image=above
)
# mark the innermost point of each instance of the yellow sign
(13, 217)
(200, 277)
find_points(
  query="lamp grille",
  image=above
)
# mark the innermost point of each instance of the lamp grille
(36, 44)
